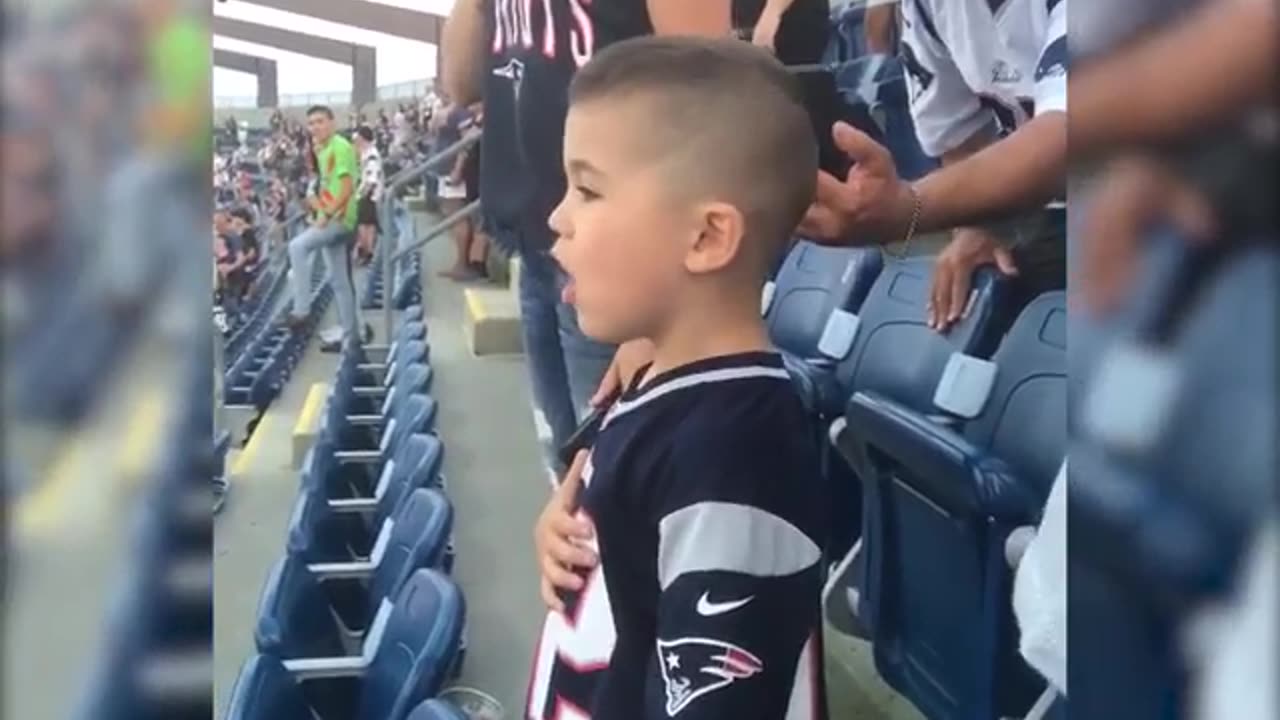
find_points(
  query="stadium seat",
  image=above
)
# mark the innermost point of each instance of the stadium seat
(363, 463)
(368, 418)
(1172, 468)
(813, 282)
(437, 710)
(889, 348)
(408, 655)
(321, 530)
(940, 504)
(265, 690)
(297, 609)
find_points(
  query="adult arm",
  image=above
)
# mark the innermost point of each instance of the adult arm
(1207, 67)
(462, 49)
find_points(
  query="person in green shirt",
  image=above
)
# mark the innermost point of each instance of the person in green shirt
(332, 229)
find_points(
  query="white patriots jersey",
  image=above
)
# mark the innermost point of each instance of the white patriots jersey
(971, 64)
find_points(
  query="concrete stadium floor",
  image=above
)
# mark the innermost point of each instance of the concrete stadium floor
(493, 466)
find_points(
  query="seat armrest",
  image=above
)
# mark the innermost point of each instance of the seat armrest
(324, 668)
(355, 570)
(940, 464)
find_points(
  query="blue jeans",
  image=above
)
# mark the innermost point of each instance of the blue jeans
(565, 366)
(333, 241)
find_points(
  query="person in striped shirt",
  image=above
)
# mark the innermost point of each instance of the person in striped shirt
(369, 194)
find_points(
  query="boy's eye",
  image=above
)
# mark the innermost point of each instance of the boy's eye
(586, 193)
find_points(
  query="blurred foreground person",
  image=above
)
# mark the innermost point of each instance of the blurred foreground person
(1207, 82)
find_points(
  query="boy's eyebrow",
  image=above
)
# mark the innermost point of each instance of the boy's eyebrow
(582, 166)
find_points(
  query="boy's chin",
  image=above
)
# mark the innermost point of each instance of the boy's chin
(602, 331)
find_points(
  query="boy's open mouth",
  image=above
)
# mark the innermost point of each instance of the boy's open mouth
(568, 293)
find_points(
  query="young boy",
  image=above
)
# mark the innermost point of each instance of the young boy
(690, 161)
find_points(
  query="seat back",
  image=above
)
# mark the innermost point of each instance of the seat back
(417, 649)
(895, 353)
(413, 351)
(264, 690)
(413, 378)
(1024, 420)
(313, 532)
(420, 533)
(416, 414)
(416, 464)
(412, 330)
(813, 282)
(294, 616)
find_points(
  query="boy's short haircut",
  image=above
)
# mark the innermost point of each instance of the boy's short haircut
(242, 214)
(732, 110)
(320, 110)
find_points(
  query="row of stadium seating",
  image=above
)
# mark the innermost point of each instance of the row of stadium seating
(407, 285)
(256, 375)
(360, 618)
(256, 310)
(155, 663)
(953, 440)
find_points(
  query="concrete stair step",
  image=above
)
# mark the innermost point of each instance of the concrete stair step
(491, 322)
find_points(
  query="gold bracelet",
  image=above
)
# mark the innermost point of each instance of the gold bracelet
(916, 206)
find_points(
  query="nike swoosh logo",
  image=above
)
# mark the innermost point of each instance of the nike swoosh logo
(706, 608)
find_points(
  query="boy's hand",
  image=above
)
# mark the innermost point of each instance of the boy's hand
(559, 539)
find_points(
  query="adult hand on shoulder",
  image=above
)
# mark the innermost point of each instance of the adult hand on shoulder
(559, 539)
(953, 273)
(872, 206)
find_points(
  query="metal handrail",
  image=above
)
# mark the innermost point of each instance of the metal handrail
(438, 229)
(398, 181)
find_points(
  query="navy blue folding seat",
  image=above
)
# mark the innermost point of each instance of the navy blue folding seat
(367, 419)
(1172, 469)
(323, 529)
(888, 347)
(265, 690)
(945, 502)
(300, 615)
(409, 653)
(816, 286)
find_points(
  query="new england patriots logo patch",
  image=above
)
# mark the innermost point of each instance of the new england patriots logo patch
(693, 667)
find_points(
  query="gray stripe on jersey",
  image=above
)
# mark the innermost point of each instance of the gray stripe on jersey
(728, 537)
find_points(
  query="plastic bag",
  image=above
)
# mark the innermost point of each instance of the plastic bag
(1040, 591)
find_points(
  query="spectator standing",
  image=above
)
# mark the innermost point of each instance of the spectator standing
(525, 78)
(456, 122)
(332, 230)
(369, 193)
(988, 96)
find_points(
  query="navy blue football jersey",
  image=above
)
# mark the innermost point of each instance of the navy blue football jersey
(705, 490)
(534, 48)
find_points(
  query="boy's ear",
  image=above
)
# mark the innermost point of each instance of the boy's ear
(721, 228)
